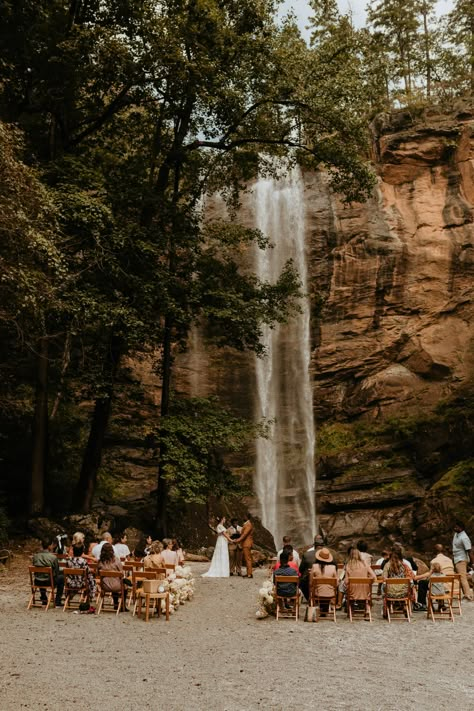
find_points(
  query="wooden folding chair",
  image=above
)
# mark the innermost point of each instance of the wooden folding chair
(62, 560)
(287, 605)
(457, 593)
(103, 593)
(70, 591)
(47, 586)
(316, 599)
(444, 601)
(357, 605)
(154, 597)
(396, 605)
(138, 576)
(170, 568)
(130, 565)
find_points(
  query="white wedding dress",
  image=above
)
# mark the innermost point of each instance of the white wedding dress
(220, 560)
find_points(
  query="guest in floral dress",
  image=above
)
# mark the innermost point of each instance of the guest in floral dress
(75, 581)
(396, 568)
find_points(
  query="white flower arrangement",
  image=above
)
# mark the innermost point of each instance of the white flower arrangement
(266, 602)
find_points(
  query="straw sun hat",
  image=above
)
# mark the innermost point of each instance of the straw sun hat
(324, 556)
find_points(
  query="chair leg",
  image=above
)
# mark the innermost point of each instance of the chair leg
(100, 604)
(168, 607)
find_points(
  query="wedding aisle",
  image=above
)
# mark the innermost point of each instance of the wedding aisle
(214, 655)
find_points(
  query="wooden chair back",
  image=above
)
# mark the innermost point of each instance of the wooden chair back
(393, 597)
(130, 565)
(62, 559)
(69, 591)
(282, 601)
(316, 598)
(47, 585)
(457, 593)
(358, 602)
(170, 568)
(139, 575)
(444, 600)
(103, 592)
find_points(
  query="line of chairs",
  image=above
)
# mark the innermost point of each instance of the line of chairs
(397, 599)
(141, 589)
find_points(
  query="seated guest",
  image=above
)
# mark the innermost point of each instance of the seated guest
(120, 547)
(436, 588)
(384, 559)
(74, 581)
(106, 538)
(46, 559)
(169, 556)
(89, 545)
(139, 550)
(285, 589)
(362, 548)
(307, 563)
(446, 563)
(356, 567)
(407, 560)
(289, 550)
(148, 542)
(109, 561)
(396, 568)
(177, 547)
(287, 542)
(324, 567)
(154, 559)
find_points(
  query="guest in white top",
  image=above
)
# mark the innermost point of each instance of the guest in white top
(106, 538)
(121, 549)
(287, 542)
(365, 557)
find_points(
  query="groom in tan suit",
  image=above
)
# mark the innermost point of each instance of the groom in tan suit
(246, 540)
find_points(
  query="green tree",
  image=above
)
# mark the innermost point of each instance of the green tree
(459, 37)
(165, 102)
(398, 23)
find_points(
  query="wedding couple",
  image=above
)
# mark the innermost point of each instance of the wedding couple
(220, 560)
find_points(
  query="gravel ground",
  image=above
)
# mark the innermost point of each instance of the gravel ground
(214, 655)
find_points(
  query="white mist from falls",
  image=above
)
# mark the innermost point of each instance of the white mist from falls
(285, 473)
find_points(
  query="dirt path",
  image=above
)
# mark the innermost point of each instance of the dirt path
(214, 655)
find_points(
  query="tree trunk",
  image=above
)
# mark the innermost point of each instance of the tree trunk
(40, 432)
(162, 488)
(427, 51)
(93, 455)
(100, 420)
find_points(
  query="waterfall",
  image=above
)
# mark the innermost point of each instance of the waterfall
(285, 474)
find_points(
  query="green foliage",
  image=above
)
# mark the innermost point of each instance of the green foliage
(458, 479)
(197, 437)
(332, 439)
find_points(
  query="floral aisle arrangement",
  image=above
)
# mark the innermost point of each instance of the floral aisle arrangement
(266, 601)
(180, 586)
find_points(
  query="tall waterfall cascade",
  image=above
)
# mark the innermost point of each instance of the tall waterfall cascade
(285, 472)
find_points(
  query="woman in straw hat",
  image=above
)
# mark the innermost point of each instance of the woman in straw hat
(324, 567)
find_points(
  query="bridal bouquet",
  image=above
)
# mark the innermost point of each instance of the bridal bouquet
(266, 602)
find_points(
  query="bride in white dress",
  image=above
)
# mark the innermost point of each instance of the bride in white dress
(220, 560)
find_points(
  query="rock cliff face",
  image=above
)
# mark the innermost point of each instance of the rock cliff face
(392, 287)
(395, 335)
(396, 274)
